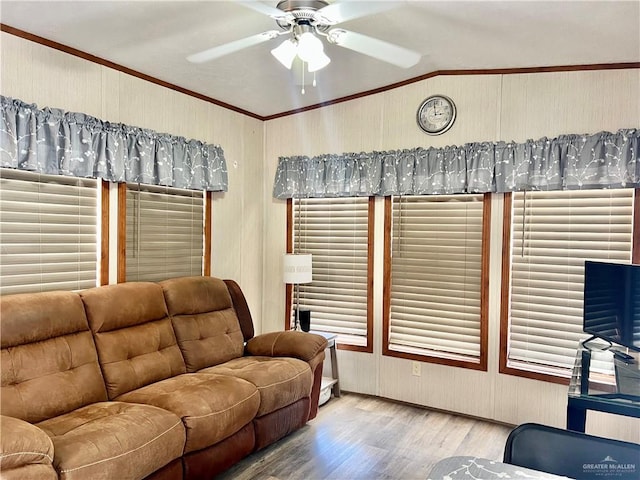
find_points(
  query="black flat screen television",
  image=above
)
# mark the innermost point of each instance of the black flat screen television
(612, 302)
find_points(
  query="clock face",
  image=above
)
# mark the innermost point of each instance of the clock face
(436, 114)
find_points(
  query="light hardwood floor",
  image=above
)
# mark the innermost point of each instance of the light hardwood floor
(362, 437)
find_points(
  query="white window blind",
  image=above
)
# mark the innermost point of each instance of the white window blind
(553, 233)
(436, 267)
(335, 232)
(48, 226)
(165, 233)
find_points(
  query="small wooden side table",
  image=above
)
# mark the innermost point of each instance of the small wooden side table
(334, 380)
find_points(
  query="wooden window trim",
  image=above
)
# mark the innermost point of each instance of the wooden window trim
(506, 281)
(635, 249)
(208, 212)
(289, 249)
(122, 233)
(368, 348)
(482, 364)
(504, 304)
(370, 243)
(104, 233)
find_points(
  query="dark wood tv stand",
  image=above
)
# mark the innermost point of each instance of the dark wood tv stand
(587, 393)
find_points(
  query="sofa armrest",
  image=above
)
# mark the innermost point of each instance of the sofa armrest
(301, 345)
(25, 450)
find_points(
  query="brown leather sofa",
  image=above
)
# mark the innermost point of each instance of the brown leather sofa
(146, 380)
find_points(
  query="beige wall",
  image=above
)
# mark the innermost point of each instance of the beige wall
(249, 225)
(490, 107)
(49, 78)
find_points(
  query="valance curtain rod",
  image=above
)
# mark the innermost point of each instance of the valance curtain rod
(601, 160)
(51, 141)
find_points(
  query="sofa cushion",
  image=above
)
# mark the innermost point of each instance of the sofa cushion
(204, 320)
(34, 317)
(26, 452)
(110, 440)
(112, 307)
(212, 407)
(280, 381)
(133, 335)
(48, 360)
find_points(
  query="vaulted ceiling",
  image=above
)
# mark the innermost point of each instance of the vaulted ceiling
(154, 38)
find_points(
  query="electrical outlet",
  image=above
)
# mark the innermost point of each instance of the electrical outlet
(415, 369)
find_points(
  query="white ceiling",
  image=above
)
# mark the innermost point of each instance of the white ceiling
(154, 38)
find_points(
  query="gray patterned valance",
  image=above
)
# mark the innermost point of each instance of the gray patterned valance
(603, 160)
(51, 141)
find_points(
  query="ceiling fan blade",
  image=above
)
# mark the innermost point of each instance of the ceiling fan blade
(373, 47)
(342, 11)
(263, 8)
(227, 48)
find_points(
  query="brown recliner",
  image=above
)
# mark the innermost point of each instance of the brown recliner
(212, 323)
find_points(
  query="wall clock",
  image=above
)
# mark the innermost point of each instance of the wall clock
(436, 114)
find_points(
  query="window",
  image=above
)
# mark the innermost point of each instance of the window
(48, 232)
(164, 232)
(548, 236)
(435, 307)
(337, 232)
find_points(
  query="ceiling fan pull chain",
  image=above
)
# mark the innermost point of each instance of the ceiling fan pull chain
(314, 79)
(302, 63)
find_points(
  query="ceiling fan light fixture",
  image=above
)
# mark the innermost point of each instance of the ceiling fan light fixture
(310, 47)
(319, 62)
(307, 21)
(285, 53)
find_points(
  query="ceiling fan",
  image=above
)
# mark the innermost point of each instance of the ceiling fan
(305, 22)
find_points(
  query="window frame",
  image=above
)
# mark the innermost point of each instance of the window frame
(368, 347)
(505, 317)
(482, 364)
(104, 231)
(122, 233)
(99, 223)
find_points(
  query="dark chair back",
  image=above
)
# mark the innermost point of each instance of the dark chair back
(572, 454)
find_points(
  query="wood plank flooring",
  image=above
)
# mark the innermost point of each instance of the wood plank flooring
(362, 437)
